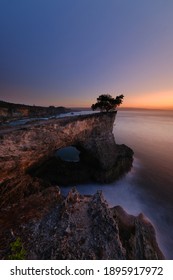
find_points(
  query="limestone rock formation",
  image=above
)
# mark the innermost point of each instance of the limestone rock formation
(80, 227)
(75, 227)
(31, 148)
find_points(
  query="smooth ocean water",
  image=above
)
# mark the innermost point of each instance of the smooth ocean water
(148, 188)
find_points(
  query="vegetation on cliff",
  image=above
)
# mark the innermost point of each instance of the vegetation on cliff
(17, 250)
(106, 102)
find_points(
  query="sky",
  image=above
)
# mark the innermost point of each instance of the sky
(68, 52)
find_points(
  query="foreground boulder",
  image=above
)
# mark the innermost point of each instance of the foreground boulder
(77, 227)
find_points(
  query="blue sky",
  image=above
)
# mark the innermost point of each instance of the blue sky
(67, 52)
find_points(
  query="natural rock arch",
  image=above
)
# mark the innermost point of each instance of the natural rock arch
(31, 147)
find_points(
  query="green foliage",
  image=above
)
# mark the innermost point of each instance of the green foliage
(106, 102)
(17, 250)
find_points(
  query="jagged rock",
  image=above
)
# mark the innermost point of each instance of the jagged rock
(137, 236)
(72, 197)
(84, 227)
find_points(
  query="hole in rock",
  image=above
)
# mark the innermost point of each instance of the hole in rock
(66, 166)
(70, 154)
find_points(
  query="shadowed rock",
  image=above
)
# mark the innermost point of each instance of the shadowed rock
(31, 148)
(80, 227)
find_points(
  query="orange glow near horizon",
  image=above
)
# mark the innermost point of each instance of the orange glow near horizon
(161, 100)
(155, 100)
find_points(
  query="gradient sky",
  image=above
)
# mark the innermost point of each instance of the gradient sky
(67, 52)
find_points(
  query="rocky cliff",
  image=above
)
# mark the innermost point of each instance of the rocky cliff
(31, 148)
(76, 227)
(51, 226)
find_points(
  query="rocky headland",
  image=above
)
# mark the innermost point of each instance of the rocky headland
(11, 111)
(51, 226)
(30, 149)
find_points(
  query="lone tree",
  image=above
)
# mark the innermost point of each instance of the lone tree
(106, 102)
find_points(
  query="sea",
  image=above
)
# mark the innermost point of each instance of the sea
(148, 187)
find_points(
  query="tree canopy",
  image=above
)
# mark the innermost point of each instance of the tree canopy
(106, 102)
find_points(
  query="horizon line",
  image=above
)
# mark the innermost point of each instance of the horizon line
(89, 107)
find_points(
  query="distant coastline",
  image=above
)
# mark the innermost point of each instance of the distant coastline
(11, 111)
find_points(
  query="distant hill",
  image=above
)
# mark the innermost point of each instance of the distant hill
(10, 111)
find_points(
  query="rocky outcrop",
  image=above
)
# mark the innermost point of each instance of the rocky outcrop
(31, 148)
(76, 227)
(79, 227)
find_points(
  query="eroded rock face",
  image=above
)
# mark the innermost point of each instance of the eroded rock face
(137, 235)
(76, 227)
(30, 148)
(81, 227)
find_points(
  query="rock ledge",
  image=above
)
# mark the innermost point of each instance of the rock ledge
(79, 227)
